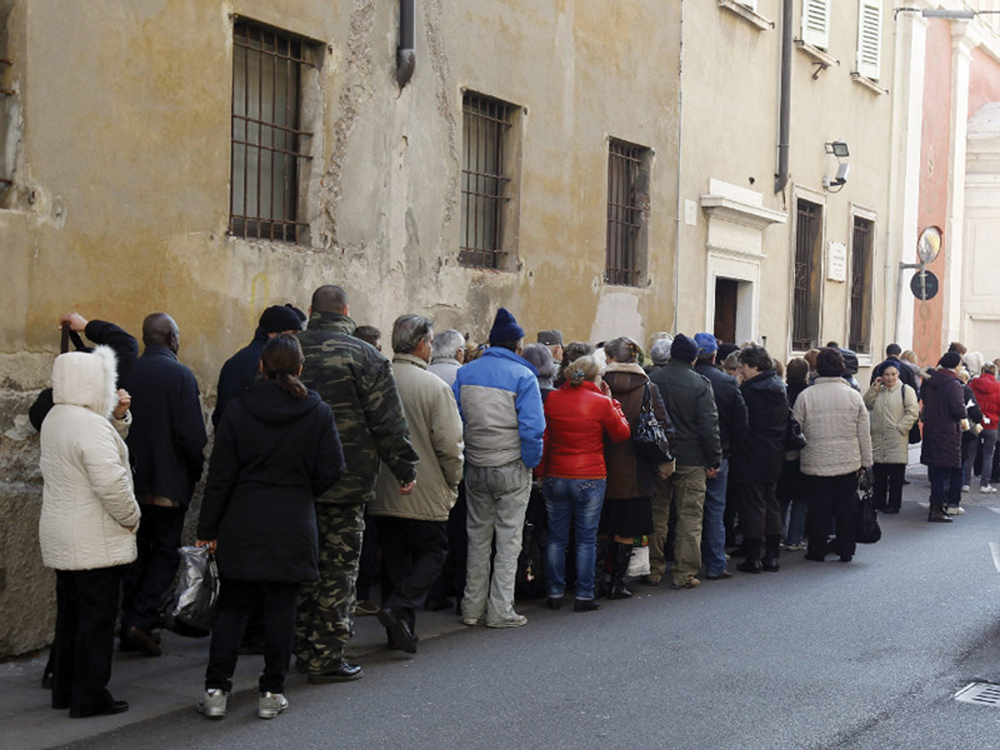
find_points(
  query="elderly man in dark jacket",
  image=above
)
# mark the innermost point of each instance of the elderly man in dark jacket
(732, 426)
(357, 382)
(166, 443)
(758, 459)
(698, 451)
(941, 450)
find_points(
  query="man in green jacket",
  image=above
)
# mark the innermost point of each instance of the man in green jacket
(357, 382)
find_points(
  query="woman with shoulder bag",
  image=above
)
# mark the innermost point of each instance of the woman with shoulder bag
(628, 501)
(276, 449)
(894, 410)
(577, 417)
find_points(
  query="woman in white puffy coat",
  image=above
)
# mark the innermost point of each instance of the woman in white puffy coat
(87, 526)
(894, 409)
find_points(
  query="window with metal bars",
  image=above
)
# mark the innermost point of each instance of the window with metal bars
(806, 287)
(486, 182)
(862, 243)
(268, 146)
(628, 207)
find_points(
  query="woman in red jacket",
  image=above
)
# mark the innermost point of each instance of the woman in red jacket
(987, 391)
(576, 418)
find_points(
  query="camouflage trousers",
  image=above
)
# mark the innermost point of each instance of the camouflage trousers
(326, 608)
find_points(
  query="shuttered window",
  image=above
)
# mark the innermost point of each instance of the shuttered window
(816, 23)
(870, 38)
(751, 4)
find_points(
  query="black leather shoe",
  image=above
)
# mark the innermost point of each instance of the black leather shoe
(554, 602)
(109, 709)
(719, 576)
(141, 641)
(846, 558)
(939, 517)
(400, 635)
(343, 672)
(750, 565)
(585, 605)
(770, 565)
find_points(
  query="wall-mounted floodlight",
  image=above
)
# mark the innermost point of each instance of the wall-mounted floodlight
(837, 148)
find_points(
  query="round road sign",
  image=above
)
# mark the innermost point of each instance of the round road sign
(924, 288)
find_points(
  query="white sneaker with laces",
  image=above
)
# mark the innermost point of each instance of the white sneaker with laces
(966, 488)
(985, 489)
(270, 705)
(955, 510)
(514, 621)
(213, 704)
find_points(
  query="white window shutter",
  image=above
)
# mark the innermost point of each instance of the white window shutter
(751, 4)
(816, 23)
(870, 38)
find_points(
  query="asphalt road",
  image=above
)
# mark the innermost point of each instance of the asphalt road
(863, 655)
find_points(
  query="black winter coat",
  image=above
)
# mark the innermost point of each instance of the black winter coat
(729, 402)
(167, 437)
(759, 457)
(943, 409)
(273, 455)
(238, 373)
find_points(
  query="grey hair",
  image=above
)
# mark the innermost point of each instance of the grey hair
(622, 349)
(408, 331)
(541, 357)
(660, 350)
(446, 343)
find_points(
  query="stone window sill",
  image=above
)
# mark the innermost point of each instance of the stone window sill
(821, 59)
(869, 84)
(750, 16)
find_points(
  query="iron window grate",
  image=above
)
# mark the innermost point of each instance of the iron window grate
(625, 209)
(980, 694)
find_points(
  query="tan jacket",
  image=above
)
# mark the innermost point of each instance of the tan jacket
(436, 433)
(893, 412)
(835, 423)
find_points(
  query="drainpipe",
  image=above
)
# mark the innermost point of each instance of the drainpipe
(680, 175)
(785, 107)
(406, 54)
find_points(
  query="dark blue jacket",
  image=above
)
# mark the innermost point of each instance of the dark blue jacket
(944, 408)
(238, 373)
(759, 457)
(167, 436)
(729, 402)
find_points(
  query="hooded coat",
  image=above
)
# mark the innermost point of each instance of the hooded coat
(89, 513)
(272, 456)
(759, 455)
(944, 408)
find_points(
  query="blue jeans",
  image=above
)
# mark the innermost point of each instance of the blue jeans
(567, 500)
(713, 531)
(946, 485)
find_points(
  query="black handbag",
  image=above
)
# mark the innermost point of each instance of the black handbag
(795, 439)
(915, 436)
(649, 438)
(867, 529)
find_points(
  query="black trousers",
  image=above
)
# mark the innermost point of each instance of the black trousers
(831, 498)
(87, 605)
(760, 511)
(147, 579)
(237, 599)
(888, 480)
(413, 554)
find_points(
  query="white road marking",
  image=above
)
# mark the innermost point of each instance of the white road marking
(994, 508)
(995, 549)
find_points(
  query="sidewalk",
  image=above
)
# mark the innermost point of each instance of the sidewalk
(174, 681)
(157, 686)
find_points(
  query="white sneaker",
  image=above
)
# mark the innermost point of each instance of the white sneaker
(270, 705)
(966, 488)
(213, 703)
(955, 510)
(985, 489)
(514, 621)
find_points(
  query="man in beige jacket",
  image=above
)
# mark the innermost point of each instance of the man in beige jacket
(412, 529)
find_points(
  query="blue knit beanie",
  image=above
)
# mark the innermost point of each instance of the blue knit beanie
(505, 328)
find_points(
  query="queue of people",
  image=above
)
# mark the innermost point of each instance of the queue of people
(319, 427)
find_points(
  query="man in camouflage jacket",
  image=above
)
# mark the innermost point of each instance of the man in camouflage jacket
(357, 382)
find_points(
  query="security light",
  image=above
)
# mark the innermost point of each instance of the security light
(837, 148)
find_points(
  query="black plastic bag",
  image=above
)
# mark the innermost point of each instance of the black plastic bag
(191, 607)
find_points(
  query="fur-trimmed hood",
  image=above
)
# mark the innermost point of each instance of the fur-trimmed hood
(86, 379)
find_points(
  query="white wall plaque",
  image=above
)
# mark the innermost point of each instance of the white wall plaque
(837, 263)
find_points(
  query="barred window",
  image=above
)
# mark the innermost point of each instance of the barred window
(806, 294)
(268, 146)
(628, 207)
(486, 123)
(862, 243)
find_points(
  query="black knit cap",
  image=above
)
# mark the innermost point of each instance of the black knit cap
(684, 348)
(278, 318)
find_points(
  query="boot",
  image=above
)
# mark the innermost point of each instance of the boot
(601, 587)
(620, 556)
(752, 564)
(772, 549)
(937, 515)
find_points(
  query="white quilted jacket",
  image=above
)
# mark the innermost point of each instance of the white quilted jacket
(88, 503)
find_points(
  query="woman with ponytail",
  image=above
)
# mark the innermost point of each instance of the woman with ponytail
(276, 449)
(577, 417)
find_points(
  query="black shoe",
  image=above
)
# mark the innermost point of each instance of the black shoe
(814, 557)
(846, 558)
(585, 605)
(938, 516)
(343, 672)
(109, 709)
(890, 511)
(400, 635)
(141, 641)
(750, 565)
(554, 602)
(719, 577)
(770, 565)
(47, 680)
